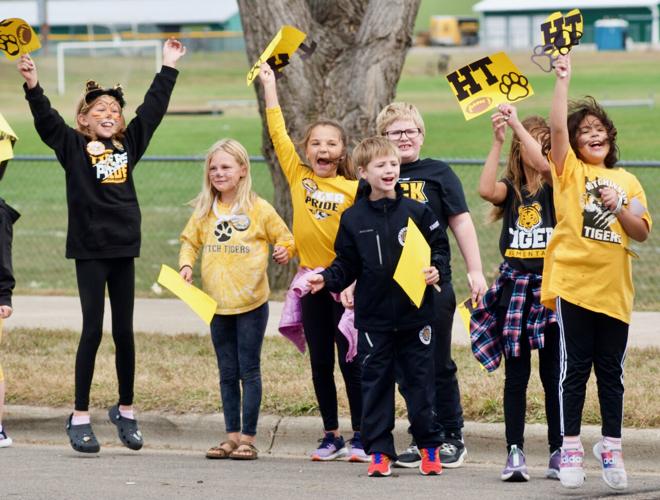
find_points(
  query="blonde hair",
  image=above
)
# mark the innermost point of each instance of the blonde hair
(373, 147)
(344, 165)
(82, 108)
(514, 172)
(245, 197)
(398, 111)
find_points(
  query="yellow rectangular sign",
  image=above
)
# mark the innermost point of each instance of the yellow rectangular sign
(17, 37)
(7, 140)
(201, 303)
(487, 83)
(415, 256)
(279, 51)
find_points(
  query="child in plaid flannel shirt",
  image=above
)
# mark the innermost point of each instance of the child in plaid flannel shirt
(510, 319)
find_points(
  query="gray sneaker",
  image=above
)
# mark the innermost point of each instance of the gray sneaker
(410, 458)
(453, 452)
(516, 468)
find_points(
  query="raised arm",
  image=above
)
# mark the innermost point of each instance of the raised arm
(50, 126)
(532, 147)
(559, 114)
(284, 147)
(490, 189)
(28, 70)
(267, 79)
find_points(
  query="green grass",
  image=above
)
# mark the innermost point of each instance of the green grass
(37, 189)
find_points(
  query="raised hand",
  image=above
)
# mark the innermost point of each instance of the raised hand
(563, 66)
(173, 50)
(28, 69)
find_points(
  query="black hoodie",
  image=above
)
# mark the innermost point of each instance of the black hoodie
(368, 246)
(104, 216)
(7, 218)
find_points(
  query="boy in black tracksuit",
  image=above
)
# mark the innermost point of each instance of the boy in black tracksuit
(391, 328)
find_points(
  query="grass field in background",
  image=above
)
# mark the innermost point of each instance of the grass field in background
(37, 189)
(166, 382)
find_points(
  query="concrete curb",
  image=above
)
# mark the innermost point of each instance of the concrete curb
(297, 436)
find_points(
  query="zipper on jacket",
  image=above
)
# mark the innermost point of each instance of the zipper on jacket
(380, 253)
(387, 239)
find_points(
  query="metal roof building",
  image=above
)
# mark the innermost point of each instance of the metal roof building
(515, 24)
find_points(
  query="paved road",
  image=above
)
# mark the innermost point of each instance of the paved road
(171, 316)
(54, 472)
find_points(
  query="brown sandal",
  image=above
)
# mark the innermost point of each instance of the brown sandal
(223, 450)
(245, 451)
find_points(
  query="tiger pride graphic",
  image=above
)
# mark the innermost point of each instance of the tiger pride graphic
(528, 239)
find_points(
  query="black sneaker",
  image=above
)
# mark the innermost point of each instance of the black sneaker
(410, 458)
(453, 451)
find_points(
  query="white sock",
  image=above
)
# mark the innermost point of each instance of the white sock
(127, 414)
(610, 443)
(80, 420)
(572, 443)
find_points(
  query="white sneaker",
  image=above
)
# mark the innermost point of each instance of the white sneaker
(611, 460)
(5, 441)
(571, 468)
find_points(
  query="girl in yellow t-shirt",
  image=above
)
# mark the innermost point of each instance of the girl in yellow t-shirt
(320, 193)
(587, 274)
(233, 228)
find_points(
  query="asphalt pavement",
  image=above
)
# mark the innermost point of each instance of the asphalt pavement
(172, 464)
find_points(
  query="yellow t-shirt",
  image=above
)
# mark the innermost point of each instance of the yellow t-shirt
(588, 261)
(317, 202)
(235, 253)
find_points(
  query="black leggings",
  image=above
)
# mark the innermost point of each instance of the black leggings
(93, 274)
(321, 314)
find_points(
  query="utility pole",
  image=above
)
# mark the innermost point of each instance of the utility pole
(44, 29)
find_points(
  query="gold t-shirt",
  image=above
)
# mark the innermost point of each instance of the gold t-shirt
(318, 202)
(588, 260)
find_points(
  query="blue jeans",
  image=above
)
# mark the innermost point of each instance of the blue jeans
(237, 339)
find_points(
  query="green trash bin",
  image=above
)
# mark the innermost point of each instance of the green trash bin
(610, 34)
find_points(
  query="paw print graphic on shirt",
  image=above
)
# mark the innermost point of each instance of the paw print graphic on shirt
(223, 231)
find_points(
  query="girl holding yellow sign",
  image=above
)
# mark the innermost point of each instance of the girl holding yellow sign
(321, 190)
(103, 235)
(510, 322)
(587, 275)
(233, 227)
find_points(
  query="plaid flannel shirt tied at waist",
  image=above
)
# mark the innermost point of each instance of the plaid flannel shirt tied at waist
(488, 341)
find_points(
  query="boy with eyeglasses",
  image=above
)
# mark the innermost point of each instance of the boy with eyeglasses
(434, 182)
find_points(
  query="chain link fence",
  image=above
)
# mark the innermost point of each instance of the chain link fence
(35, 186)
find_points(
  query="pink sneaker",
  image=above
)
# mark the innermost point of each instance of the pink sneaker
(571, 469)
(611, 460)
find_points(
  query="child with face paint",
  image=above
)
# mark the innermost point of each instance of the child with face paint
(587, 275)
(233, 228)
(321, 190)
(103, 236)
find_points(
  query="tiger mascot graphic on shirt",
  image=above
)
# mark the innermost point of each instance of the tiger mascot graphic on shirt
(529, 216)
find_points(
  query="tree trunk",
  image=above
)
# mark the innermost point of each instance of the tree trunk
(350, 77)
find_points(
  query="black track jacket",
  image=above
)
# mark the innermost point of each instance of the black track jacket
(368, 246)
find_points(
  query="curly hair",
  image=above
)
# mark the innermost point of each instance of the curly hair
(344, 164)
(588, 106)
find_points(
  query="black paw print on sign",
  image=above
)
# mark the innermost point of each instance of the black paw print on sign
(9, 44)
(514, 86)
(223, 231)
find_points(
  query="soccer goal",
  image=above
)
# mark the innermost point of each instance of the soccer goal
(63, 47)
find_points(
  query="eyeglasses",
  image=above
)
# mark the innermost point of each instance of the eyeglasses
(395, 135)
